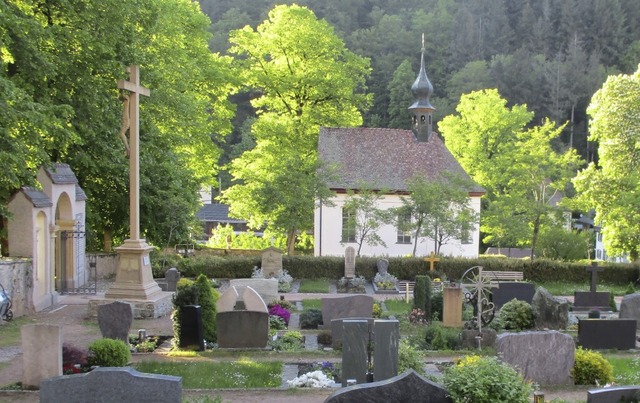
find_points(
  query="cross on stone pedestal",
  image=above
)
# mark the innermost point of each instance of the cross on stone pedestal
(481, 285)
(594, 269)
(431, 259)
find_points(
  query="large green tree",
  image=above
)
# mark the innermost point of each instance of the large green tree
(523, 173)
(302, 77)
(60, 62)
(611, 186)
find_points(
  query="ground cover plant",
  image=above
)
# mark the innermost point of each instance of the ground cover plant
(319, 285)
(626, 370)
(315, 303)
(244, 373)
(397, 307)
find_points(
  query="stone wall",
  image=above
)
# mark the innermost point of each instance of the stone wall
(106, 265)
(17, 279)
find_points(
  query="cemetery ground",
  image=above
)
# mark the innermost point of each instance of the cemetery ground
(78, 330)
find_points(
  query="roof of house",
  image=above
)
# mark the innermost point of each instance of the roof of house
(384, 158)
(37, 197)
(216, 212)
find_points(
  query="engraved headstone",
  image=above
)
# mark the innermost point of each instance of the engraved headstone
(614, 394)
(115, 320)
(227, 300)
(41, 353)
(172, 276)
(271, 262)
(355, 334)
(351, 306)
(630, 308)
(383, 266)
(385, 353)
(191, 332)
(350, 262)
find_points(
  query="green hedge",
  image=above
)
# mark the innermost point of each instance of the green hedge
(404, 268)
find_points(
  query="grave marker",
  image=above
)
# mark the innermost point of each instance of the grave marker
(191, 332)
(115, 320)
(431, 259)
(386, 335)
(271, 262)
(592, 299)
(354, 350)
(41, 353)
(349, 262)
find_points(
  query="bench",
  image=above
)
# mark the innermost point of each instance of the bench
(503, 275)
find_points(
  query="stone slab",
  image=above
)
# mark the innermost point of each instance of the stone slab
(191, 331)
(336, 330)
(354, 350)
(242, 329)
(112, 384)
(172, 276)
(115, 320)
(452, 307)
(352, 306)
(584, 300)
(407, 387)
(227, 300)
(545, 357)
(600, 334)
(253, 301)
(350, 262)
(549, 312)
(630, 308)
(614, 394)
(267, 288)
(271, 263)
(41, 353)
(509, 290)
(385, 352)
(160, 305)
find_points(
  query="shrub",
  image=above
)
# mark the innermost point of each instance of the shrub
(612, 302)
(591, 368)
(283, 303)
(377, 310)
(276, 323)
(207, 297)
(109, 353)
(421, 296)
(290, 341)
(310, 319)
(485, 379)
(436, 306)
(186, 294)
(409, 357)
(325, 338)
(71, 357)
(516, 315)
(438, 337)
(631, 289)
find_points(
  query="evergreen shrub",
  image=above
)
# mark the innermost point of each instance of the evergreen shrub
(207, 299)
(109, 353)
(310, 319)
(516, 315)
(591, 368)
(186, 294)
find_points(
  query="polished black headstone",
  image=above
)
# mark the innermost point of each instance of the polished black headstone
(614, 394)
(600, 334)
(191, 333)
(509, 290)
(583, 300)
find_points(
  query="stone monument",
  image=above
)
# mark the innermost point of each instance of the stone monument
(271, 262)
(349, 262)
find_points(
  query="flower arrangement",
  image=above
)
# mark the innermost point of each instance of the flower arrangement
(418, 316)
(314, 379)
(281, 312)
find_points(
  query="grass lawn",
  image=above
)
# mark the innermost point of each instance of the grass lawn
(312, 304)
(558, 288)
(244, 373)
(10, 331)
(626, 370)
(319, 285)
(398, 307)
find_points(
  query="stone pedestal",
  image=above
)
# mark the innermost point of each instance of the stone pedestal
(452, 307)
(135, 284)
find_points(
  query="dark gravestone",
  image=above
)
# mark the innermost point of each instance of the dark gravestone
(191, 333)
(336, 330)
(115, 320)
(407, 387)
(614, 394)
(592, 299)
(607, 333)
(112, 384)
(509, 290)
(385, 349)
(242, 329)
(352, 306)
(354, 350)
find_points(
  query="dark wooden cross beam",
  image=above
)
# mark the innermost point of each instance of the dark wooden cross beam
(594, 269)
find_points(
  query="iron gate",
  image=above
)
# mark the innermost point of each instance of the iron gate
(84, 279)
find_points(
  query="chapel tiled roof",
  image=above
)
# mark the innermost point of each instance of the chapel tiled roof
(37, 197)
(384, 158)
(216, 212)
(61, 174)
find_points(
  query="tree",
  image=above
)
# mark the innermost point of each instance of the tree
(303, 77)
(364, 216)
(611, 186)
(522, 172)
(438, 209)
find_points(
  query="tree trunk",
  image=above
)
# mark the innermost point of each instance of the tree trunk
(291, 242)
(536, 231)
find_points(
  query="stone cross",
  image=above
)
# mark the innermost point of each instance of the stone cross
(431, 259)
(594, 269)
(135, 89)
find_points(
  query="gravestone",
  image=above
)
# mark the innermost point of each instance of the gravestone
(191, 332)
(351, 306)
(614, 394)
(41, 353)
(469, 338)
(271, 262)
(509, 290)
(407, 387)
(350, 262)
(600, 334)
(452, 307)
(592, 299)
(172, 276)
(242, 323)
(549, 312)
(354, 350)
(383, 267)
(545, 357)
(115, 320)
(336, 330)
(112, 384)
(385, 353)
(630, 308)
(266, 287)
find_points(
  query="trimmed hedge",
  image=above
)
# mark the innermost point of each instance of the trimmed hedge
(407, 268)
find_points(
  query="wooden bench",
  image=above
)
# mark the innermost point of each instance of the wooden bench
(503, 275)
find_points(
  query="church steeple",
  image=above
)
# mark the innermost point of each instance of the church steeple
(421, 109)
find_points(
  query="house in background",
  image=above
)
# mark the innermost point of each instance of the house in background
(213, 214)
(388, 159)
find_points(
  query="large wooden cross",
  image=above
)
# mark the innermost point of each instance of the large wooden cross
(135, 89)
(431, 259)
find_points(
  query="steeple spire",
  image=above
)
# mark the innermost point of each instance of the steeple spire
(422, 109)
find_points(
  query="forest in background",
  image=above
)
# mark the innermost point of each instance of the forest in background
(551, 55)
